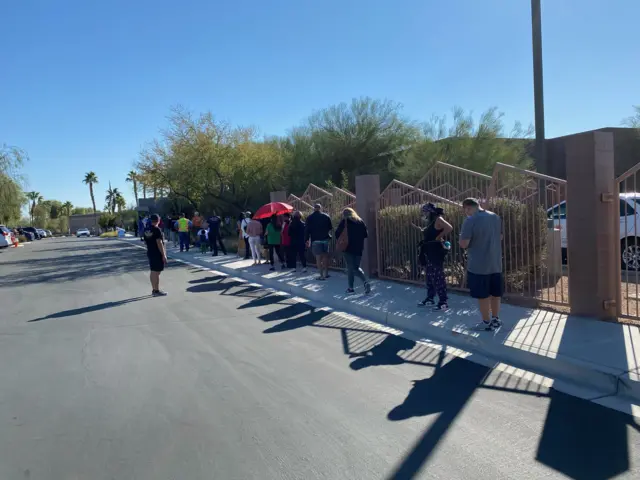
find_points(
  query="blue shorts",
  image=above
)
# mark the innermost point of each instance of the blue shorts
(320, 247)
(485, 286)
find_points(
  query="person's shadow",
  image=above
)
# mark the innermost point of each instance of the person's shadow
(386, 352)
(446, 392)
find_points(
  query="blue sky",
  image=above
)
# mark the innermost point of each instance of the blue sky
(84, 84)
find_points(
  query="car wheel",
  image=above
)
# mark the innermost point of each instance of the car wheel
(630, 254)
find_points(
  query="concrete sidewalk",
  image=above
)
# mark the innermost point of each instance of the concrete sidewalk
(591, 359)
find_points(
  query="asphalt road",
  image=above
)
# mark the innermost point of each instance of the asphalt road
(221, 381)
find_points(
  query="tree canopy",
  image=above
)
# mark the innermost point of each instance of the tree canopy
(211, 164)
(204, 163)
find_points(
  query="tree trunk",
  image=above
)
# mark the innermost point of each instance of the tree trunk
(144, 191)
(135, 191)
(93, 200)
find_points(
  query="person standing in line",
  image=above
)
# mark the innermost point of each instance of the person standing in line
(274, 238)
(245, 235)
(174, 230)
(254, 230)
(355, 229)
(196, 224)
(215, 237)
(168, 224)
(240, 235)
(297, 248)
(156, 254)
(317, 235)
(203, 236)
(287, 251)
(433, 252)
(184, 226)
(481, 235)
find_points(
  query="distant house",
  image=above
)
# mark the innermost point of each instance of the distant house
(151, 205)
(626, 145)
(89, 220)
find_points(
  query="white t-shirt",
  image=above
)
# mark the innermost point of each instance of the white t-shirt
(243, 227)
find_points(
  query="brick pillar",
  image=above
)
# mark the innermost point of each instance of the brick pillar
(367, 203)
(591, 239)
(280, 196)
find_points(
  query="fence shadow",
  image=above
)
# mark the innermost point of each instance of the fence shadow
(576, 433)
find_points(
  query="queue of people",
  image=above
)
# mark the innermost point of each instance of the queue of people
(287, 238)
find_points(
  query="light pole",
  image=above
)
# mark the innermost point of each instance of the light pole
(538, 93)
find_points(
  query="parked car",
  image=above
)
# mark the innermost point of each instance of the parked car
(629, 229)
(28, 235)
(42, 232)
(6, 237)
(33, 231)
(83, 232)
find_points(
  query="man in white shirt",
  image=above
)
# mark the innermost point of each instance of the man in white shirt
(243, 226)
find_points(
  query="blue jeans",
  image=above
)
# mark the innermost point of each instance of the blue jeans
(184, 240)
(353, 268)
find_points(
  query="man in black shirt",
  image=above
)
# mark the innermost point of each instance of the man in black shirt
(317, 235)
(156, 254)
(215, 238)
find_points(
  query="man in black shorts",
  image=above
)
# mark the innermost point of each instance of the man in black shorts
(481, 235)
(156, 254)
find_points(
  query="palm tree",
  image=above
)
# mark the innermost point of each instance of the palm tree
(132, 176)
(35, 198)
(120, 202)
(67, 207)
(90, 178)
(110, 198)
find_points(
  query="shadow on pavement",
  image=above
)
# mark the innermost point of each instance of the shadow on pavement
(75, 267)
(90, 308)
(579, 439)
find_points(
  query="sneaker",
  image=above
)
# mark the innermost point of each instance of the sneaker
(304, 270)
(158, 293)
(442, 307)
(485, 325)
(350, 291)
(272, 269)
(495, 322)
(426, 302)
(367, 288)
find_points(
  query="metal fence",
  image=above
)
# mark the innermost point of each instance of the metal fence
(626, 228)
(526, 201)
(333, 200)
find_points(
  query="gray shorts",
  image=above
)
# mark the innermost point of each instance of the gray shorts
(320, 247)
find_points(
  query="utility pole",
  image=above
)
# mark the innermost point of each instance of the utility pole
(538, 91)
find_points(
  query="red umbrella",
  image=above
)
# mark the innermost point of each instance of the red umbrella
(273, 208)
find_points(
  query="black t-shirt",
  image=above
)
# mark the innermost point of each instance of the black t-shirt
(214, 223)
(151, 237)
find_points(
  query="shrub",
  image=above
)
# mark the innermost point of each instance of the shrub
(525, 234)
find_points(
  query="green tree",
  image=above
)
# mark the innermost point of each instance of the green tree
(81, 211)
(121, 204)
(12, 198)
(365, 136)
(212, 165)
(34, 198)
(90, 178)
(107, 221)
(55, 208)
(132, 177)
(67, 207)
(467, 143)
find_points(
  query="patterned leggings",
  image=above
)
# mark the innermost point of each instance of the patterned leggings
(436, 283)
